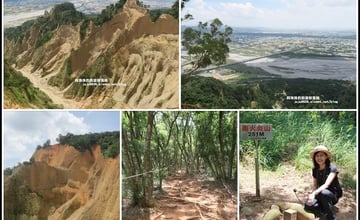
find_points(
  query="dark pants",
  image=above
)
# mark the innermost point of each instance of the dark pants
(323, 204)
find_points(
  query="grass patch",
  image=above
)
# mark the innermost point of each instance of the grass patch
(295, 134)
(20, 91)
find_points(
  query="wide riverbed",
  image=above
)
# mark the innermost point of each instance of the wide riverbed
(311, 68)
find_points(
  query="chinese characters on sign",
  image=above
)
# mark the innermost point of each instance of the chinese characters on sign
(255, 131)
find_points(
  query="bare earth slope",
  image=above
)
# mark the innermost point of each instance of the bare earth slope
(137, 57)
(63, 183)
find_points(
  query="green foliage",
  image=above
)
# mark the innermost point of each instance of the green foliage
(63, 78)
(209, 127)
(64, 13)
(21, 200)
(295, 134)
(44, 38)
(83, 27)
(8, 171)
(347, 180)
(155, 13)
(18, 33)
(46, 143)
(20, 91)
(109, 12)
(206, 92)
(109, 142)
(208, 44)
(186, 16)
(180, 141)
(61, 14)
(142, 4)
(183, 3)
(174, 11)
(267, 93)
(14, 78)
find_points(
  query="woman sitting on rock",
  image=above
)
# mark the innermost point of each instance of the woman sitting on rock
(326, 187)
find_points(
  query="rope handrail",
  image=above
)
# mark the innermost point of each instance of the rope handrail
(129, 177)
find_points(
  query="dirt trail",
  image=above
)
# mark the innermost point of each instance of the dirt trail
(54, 93)
(278, 187)
(187, 197)
(194, 198)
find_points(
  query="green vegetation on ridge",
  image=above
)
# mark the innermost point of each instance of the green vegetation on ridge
(207, 92)
(207, 44)
(109, 142)
(65, 13)
(20, 91)
(266, 93)
(61, 14)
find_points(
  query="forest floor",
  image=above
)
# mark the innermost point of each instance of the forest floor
(278, 187)
(187, 197)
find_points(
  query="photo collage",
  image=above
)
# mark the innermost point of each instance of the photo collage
(179, 110)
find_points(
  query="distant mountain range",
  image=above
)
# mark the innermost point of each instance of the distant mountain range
(18, 11)
(346, 34)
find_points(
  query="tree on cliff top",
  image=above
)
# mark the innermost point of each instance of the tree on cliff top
(207, 44)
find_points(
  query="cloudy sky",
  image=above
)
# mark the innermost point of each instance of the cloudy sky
(24, 130)
(278, 14)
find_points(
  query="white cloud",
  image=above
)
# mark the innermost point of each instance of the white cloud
(321, 3)
(321, 14)
(239, 14)
(292, 14)
(242, 10)
(23, 131)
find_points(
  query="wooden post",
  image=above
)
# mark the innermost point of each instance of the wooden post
(257, 179)
(290, 214)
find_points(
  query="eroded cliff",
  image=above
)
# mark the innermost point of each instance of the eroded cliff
(127, 62)
(60, 182)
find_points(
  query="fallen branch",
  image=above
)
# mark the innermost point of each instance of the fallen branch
(197, 205)
(199, 210)
(159, 215)
(185, 200)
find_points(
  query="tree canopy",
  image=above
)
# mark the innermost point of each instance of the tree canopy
(207, 44)
(109, 142)
(158, 144)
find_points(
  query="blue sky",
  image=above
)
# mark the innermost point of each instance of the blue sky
(24, 130)
(277, 14)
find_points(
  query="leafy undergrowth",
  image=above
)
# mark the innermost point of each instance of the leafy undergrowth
(20, 93)
(266, 93)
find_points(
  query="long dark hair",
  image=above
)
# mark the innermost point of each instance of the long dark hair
(327, 162)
